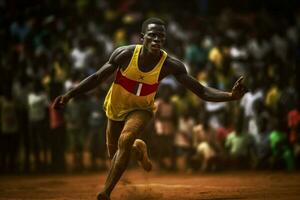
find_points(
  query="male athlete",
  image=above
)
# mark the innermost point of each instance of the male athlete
(129, 103)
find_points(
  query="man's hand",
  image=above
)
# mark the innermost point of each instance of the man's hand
(238, 89)
(60, 102)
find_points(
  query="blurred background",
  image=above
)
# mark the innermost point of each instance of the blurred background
(47, 47)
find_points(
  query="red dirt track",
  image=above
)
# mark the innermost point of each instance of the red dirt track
(138, 185)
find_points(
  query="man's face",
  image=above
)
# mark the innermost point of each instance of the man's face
(154, 37)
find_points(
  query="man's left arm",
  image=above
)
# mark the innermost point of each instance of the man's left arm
(207, 93)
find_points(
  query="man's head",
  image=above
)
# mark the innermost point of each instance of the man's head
(153, 34)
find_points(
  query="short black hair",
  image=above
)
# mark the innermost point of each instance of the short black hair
(152, 20)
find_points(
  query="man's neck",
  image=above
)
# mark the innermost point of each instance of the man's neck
(145, 53)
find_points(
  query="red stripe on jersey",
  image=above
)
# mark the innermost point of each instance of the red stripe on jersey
(148, 89)
(126, 83)
(131, 85)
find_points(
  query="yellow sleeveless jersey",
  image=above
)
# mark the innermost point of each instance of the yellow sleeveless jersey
(133, 89)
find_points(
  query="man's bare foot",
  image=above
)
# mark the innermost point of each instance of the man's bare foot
(142, 157)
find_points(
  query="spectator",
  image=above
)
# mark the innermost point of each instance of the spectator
(75, 114)
(282, 155)
(9, 133)
(262, 146)
(248, 101)
(239, 145)
(57, 130)
(80, 56)
(37, 110)
(96, 121)
(183, 142)
(165, 123)
(205, 145)
(294, 135)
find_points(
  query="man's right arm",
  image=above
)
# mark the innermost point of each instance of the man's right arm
(91, 81)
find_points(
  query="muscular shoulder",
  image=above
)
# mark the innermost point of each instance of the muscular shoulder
(121, 55)
(173, 66)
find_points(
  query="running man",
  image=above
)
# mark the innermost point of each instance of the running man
(129, 103)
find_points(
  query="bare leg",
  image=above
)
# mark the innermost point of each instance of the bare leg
(139, 148)
(113, 131)
(135, 123)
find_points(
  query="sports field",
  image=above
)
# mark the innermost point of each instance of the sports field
(139, 185)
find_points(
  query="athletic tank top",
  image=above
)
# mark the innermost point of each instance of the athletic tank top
(133, 89)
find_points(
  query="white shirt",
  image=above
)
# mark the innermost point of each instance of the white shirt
(37, 104)
(248, 101)
(79, 58)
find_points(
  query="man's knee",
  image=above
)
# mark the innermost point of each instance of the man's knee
(126, 141)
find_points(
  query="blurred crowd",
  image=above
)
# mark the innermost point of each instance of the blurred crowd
(47, 47)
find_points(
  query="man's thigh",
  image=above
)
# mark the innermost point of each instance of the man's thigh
(136, 122)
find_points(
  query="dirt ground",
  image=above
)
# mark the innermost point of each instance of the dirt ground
(139, 185)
